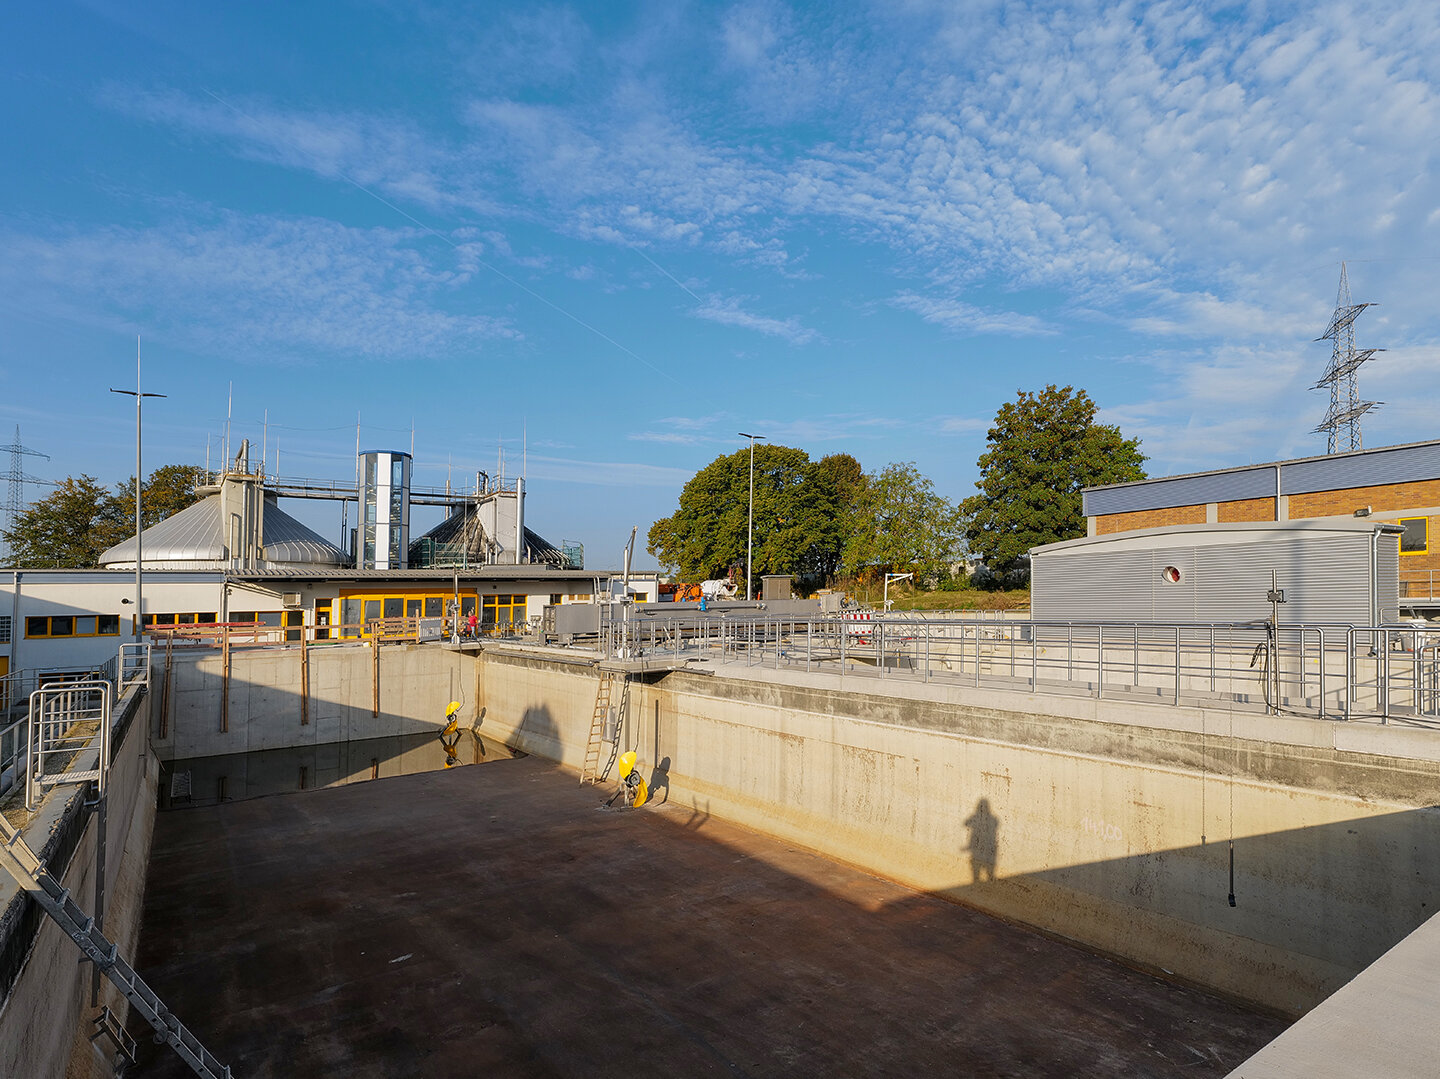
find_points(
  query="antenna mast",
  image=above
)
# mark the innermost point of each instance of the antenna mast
(1341, 424)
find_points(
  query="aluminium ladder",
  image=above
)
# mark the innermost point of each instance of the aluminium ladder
(591, 770)
(54, 899)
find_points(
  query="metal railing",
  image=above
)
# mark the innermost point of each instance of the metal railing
(1324, 671)
(19, 690)
(62, 730)
(1418, 583)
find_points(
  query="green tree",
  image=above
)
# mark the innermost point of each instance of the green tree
(169, 490)
(1043, 450)
(67, 529)
(801, 515)
(900, 524)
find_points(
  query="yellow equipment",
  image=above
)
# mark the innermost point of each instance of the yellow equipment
(450, 736)
(636, 793)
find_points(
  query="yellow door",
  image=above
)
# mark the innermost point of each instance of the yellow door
(4, 686)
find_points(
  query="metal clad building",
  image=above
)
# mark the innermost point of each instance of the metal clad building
(1331, 571)
(1411, 463)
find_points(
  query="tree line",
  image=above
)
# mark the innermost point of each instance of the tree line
(829, 518)
(81, 519)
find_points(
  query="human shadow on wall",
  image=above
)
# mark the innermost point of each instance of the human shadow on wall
(984, 845)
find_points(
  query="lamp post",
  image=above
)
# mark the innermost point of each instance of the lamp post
(139, 398)
(750, 527)
(893, 577)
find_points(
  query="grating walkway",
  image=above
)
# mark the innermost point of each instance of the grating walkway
(496, 921)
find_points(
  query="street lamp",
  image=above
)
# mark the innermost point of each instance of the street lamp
(893, 577)
(139, 397)
(750, 528)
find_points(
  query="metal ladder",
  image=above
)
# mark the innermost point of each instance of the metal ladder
(54, 899)
(592, 771)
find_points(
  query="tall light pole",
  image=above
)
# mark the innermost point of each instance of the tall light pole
(139, 398)
(750, 528)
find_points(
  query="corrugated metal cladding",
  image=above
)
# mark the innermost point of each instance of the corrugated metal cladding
(1387, 574)
(1258, 482)
(1402, 464)
(1326, 578)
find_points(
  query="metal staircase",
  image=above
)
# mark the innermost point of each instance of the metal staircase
(54, 899)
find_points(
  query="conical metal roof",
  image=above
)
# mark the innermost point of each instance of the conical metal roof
(194, 538)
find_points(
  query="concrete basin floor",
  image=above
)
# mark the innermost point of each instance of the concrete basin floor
(497, 921)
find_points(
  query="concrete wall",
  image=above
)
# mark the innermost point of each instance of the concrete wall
(1104, 823)
(270, 706)
(45, 1018)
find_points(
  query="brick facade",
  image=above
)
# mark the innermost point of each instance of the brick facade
(1125, 522)
(1246, 509)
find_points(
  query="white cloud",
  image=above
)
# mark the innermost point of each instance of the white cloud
(270, 289)
(728, 312)
(966, 318)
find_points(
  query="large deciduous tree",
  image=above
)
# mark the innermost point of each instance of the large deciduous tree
(899, 523)
(75, 524)
(801, 515)
(68, 529)
(1044, 448)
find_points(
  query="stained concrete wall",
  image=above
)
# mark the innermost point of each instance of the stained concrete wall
(45, 1018)
(1101, 822)
(273, 704)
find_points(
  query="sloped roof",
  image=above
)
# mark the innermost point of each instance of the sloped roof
(196, 535)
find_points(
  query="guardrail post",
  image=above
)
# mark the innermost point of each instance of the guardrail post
(1099, 662)
(1177, 666)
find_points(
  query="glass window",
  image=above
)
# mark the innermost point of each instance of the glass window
(350, 613)
(37, 627)
(109, 625)
(517, 610)
(372, 609)
(242, 616)
(162, 619)
(394, 607)
(397, 473)
(62, 626)
(554, 599)
(205, 618)
(434, 606)
(467, 605)
(412, 608)
(1415, 538)
(85, 626)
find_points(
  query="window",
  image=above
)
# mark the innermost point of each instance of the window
(65, 625)
(5, 629)
(555, 599)
(504, 610)
(294, 621)
(1415, 538)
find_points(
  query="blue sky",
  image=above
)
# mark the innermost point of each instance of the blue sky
(607, 237)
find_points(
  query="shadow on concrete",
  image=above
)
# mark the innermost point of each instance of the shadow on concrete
(1253, 907)
(490, 921)
(984, 845)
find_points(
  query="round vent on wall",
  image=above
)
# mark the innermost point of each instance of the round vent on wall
(1171, 575)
